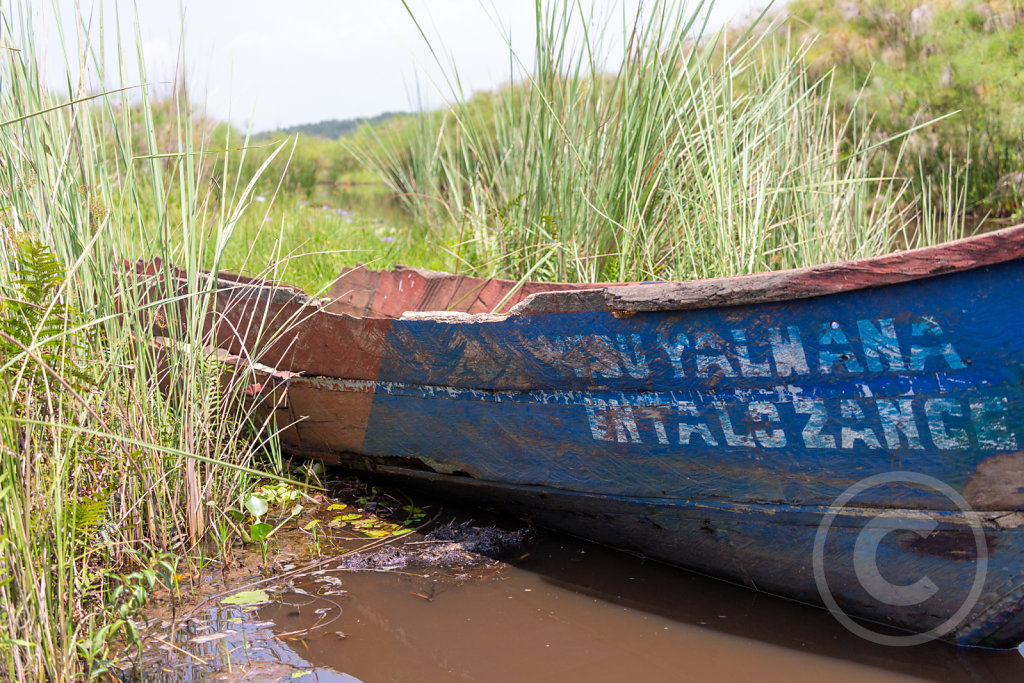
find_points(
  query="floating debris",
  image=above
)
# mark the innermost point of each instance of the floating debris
(246, 598)
(449, 545)
(199, 640)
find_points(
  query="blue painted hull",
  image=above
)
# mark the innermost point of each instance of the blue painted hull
(723, 439)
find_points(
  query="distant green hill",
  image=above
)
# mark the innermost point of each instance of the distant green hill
(337, 128)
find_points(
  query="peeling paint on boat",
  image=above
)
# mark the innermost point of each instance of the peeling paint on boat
(711, 424)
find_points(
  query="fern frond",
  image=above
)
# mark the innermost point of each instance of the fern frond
(89, 513)
(33, 317)
(38, 272)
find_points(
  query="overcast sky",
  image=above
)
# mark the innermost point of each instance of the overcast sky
(282, 62)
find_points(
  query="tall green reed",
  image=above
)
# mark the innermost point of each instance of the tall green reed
(116, 455)
(700, 156)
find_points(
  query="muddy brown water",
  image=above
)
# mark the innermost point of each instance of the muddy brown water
(558, 609)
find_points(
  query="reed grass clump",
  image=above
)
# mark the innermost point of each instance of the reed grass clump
(699, 156)
(118, 457)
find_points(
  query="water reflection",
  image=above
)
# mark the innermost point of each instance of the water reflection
(559, 610)
(568, 610)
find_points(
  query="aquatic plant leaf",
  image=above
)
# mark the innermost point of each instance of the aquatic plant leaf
(260, 532)
(337, 506)
(256, 597)
(401, 532)
(377, 533)
(351, 517)
(311, 525)
(257, 505)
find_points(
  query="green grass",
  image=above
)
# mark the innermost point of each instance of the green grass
(961, 56)
(118, 461)
(755, 151)
(313, 209)
(308, 243)
(698, 158)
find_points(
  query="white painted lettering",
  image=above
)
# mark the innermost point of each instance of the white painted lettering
(850, 435)
(990, 425)
(880, 341)
(651, 408)
(731, 437)
(813, 438)
(674, 349)
(919, 354)
(898, 418)
(605, 358)
(608, 416)
(789, 353)
(701, 429)
(748, 368)
(832, 335)
(631, 354)
(598, 430)
(566, 351)
(712, 342)
(763, 411)
(942, 436)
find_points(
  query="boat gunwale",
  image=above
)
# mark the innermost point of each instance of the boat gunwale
(992, 248)
(627, 299)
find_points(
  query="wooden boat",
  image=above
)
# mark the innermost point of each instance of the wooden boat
(718, 424)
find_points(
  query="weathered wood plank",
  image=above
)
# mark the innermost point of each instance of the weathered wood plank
(389, 294)
(965, 254)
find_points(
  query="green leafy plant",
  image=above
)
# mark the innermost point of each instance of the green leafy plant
(35, 318)
(279, 494)
(125, 601)
(313, 527)
(260, 532)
